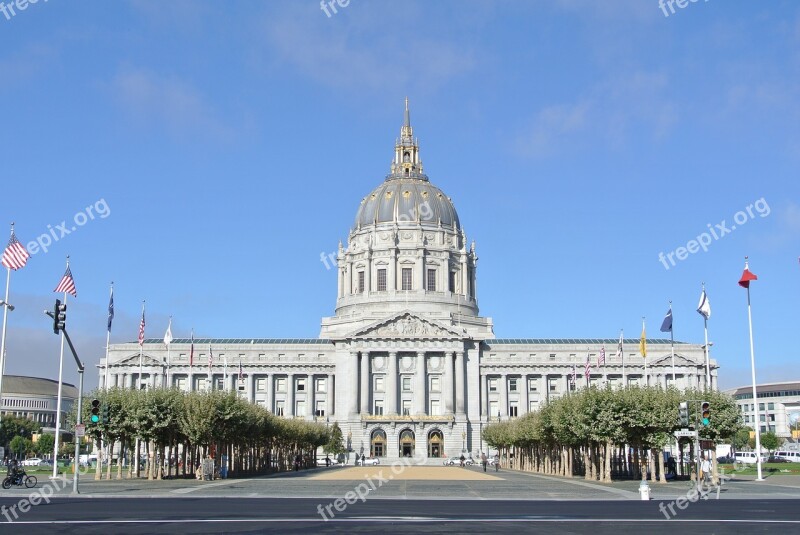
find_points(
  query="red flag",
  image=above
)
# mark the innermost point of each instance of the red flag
(747, 276)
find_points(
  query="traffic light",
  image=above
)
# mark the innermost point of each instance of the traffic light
(105, 416)
(683, 414)
(59, 316)
(95, 417)
(705, 413)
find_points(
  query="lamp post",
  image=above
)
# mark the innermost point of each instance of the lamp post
(463, 441)
(707, 351)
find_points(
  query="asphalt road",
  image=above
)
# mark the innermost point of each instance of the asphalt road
(305, 515)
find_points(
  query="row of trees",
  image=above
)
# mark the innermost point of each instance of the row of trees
(169, 424)
(600, 432)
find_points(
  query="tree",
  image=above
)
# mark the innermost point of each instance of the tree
(741, 439)
(770, 441)
(335, 443)
(44, 446)
(20, 446)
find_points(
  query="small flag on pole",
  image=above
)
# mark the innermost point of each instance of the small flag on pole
(240, 369)
(15, 256)
(747, 276)
(704, 307)
(67, 284)
(619, 347)
(643, 342)
(168, 334)
(210, 358)
(141, 328)
(191, 351)
(111, 309)
(588, 371)
(601, 360)
(666, 326)
(574, 375)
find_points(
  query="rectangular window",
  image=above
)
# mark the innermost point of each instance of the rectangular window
(378, 411)
(320, 410)
(219, 385)
(435, 408)
(494, 412)
(771, 406)
(261, 384)
(532, 385)
(513, 411)
(180, 383)
(361, 282)
(406, 384)
(435, 383)
(553, 386)
(493, 384)
(379, 383)
(301, 384)
(280, 384)
(300, 408)
(406, 407)
(552, 356)
(512, 384)
(533, 406)
(381, 280)
(431, 286)
(406, 282)
(321, 385)
(279, 405)
(451, 282)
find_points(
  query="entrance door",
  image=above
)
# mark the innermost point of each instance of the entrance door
(407, 443)
(435, 443)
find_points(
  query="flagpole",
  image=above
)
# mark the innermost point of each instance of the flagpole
(644, 355)
(108, 337)
(3, 342)
(141, 346)
(753, 372)
(672, 344)
(166, 376)
(58, 403)
(622, 356)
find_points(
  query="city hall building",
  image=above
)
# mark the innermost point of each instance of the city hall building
(406, 364)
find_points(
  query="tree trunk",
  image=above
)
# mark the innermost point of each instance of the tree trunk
(98, 473)
(662, 473)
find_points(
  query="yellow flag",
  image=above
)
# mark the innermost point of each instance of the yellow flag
(643, 343)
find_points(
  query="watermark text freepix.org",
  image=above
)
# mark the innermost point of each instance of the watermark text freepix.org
(715, 232)
(11, 8)
(38, 496)
(55, 233)
(664, 4)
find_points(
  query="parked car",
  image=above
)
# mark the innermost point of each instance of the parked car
(793, 456)
(33, 461)
(749, 457)
(45, 463)
(727, 459)
(370, 461)
(777, 459)
(453, 461)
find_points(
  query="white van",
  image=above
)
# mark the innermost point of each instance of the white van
(793, 456)
(749, 457)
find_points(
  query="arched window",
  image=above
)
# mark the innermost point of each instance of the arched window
(406, 443)
(435, 443)
(377, 446)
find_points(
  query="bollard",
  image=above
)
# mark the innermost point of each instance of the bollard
(644, 490)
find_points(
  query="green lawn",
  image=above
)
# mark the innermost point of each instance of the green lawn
(782, 469)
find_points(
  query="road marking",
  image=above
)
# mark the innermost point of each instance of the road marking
(619, 492)
(317, 520)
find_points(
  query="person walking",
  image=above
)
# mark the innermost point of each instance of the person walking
(462, 458)
(496, 462)
(484, 462)
(705, 470)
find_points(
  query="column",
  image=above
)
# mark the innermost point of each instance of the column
(525, 401)
(391, 384)
(251, 390)
(484, 395)
(340, 280)
(290, 395)
(364, 389)
(503, 387)
(271, 392)
(127, 380)
(190, 382)
(460, 381)
(449, 377)
(421, 255)
(350, 386)
(310, 400)
(368, 275)
(420, 386)
(329, 410)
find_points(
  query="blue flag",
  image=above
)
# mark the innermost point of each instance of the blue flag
(110, 309)
(666, 326)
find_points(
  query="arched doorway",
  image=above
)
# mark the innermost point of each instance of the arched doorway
(407, 443)
(435, 443)
(377, 443)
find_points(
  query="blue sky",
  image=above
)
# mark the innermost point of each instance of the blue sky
(232, 143)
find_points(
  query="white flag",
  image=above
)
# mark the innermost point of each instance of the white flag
(704, 308)
(168, 334)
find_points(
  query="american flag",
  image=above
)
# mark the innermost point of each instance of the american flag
(67, 284)
(15, 256)
(240, 369)
(588, 370)
(141, 328)
(210, 358)
(601, 360)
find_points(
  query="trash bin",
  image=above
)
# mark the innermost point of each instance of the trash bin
(223, 468)
(644, 490)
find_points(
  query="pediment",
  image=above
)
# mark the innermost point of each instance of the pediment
(666, 360)
(406, 325)
(133, 360)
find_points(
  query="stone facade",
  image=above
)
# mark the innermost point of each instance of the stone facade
(406, 365)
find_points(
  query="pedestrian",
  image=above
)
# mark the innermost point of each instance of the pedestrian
(297, 462)
(462, 460)
(496, 462)
(484, 462)
(705, 471)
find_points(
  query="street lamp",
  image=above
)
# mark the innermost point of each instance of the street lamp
(7, 305)
(463, 441)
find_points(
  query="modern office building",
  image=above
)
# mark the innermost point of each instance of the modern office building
(778, 407)
(406, 364)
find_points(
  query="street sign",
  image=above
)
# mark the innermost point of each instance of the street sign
(80, 430)
(685, 433)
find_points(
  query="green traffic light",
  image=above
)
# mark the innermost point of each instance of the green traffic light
(706, 421)
(95, 418)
